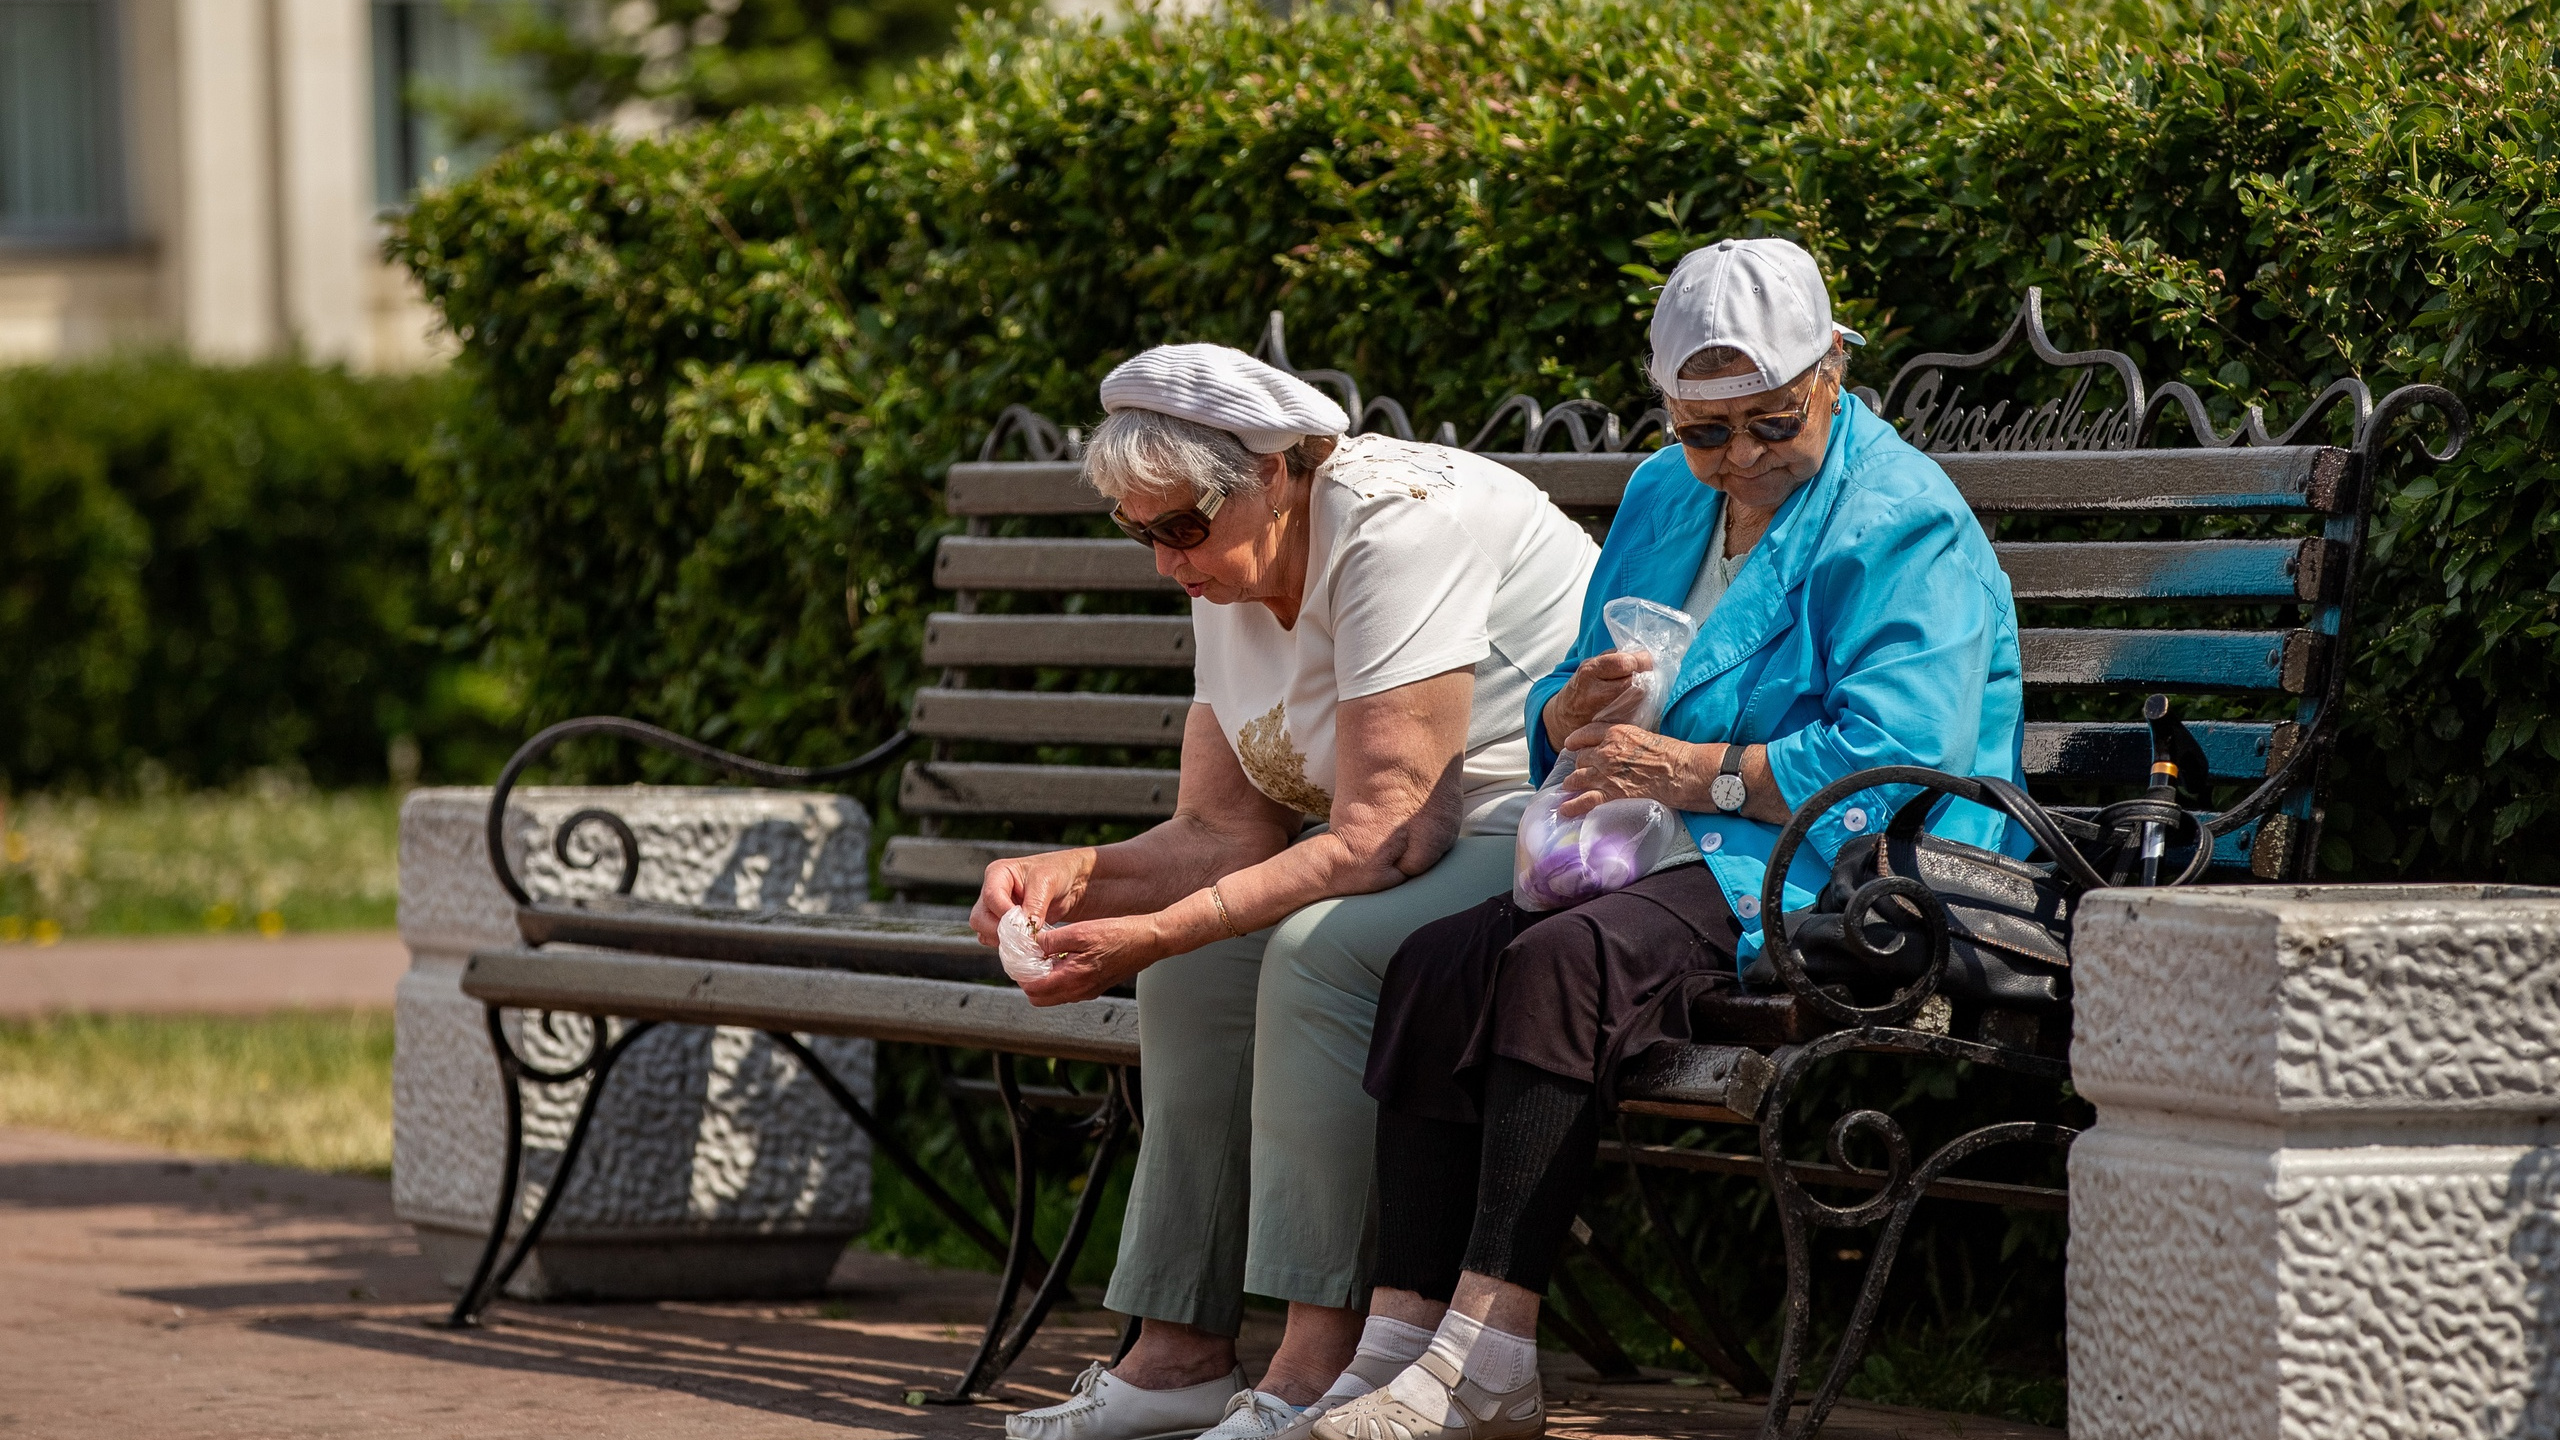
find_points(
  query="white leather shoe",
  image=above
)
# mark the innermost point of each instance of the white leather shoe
(1258, 1415)
(1106, 1407)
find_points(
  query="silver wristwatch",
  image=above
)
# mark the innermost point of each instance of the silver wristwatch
(1727, 790)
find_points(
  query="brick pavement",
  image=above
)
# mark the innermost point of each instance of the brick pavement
(233, 974)
(143, 1294)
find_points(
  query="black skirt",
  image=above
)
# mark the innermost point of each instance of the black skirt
(1574, 992)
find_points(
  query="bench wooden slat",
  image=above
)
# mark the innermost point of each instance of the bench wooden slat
(2073, 750)
(805, 1001)
(2272, 478)
(2282, 660)
(2038, 571)
(934, 860)
(2267, 479)
(1577, 482)
(1071, 641)
(983, 562)
(929, 941)
(1046, 717)
(928, 787)
(2192, 570)
(2162, 659)
(1020, 487)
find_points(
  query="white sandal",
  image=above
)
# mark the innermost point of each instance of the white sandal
(1515, 1415)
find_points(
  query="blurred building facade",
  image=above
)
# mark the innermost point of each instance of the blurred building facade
(211, 175)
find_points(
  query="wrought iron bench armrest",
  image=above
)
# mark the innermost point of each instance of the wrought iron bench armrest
(758, 771)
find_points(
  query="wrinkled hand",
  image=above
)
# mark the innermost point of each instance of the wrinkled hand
(1045, 886)
(1089, 957)
(1622, 762)
(1601, 684)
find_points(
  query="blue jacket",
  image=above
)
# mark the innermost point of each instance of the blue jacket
(1871, 625)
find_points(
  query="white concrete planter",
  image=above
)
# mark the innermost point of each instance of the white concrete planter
(716, 1167)
(2322, 1198)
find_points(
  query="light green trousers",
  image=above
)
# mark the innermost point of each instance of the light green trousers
(1257, 1163)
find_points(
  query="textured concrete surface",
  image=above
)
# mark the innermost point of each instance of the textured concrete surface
(715, 1166)
(145, 1294)
(2323, 1194)
(204, 974)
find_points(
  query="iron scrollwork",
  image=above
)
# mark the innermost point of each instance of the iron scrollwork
(758, 771)
(1901, 1185)
(604, 1049)
(1932, 414)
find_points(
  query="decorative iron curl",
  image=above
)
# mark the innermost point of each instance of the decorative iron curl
(1895, 1174)
(598, 1036)
(2371, 427)
(621, 833)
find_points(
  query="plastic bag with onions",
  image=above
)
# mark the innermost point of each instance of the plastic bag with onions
(1560, 862)
(1018, 946)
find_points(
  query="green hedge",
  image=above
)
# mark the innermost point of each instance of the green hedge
(718, 378)
(212, 570)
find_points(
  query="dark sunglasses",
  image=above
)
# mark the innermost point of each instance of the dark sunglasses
(1773, 429)
(1174, 529)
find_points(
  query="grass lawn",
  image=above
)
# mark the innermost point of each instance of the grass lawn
(266, 856)
(306, 1089)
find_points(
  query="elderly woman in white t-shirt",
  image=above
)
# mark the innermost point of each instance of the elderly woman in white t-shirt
(1369, 616)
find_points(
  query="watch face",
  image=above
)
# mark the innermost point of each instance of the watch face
(1727, 792)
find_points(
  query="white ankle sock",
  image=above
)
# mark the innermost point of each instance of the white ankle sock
(1393, 1342)
(1495, 1359)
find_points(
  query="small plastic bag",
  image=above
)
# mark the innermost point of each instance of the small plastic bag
(1558, 862)
(1018, 946)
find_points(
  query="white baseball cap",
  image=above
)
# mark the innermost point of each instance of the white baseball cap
(1763, 297)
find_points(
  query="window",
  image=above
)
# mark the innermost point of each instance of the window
(432, 63)
(60, 177)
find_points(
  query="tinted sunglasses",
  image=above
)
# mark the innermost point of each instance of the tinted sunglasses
(1773, 429)
(1174, 529)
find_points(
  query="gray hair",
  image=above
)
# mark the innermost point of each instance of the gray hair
(1145, 452)
(1149, 452)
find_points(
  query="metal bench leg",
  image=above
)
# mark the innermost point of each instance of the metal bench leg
(490, 1277)
(1745, 1374)
(1799, 1214)
(886, 1143)
(1734, 1366)
(1579, 1324)
(1005, 1336)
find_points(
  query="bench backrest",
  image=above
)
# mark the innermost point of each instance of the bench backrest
(2224, 570)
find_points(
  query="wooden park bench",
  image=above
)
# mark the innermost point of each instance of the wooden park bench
(1059, 712)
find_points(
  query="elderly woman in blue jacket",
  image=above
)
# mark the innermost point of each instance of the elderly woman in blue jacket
(1851, 615)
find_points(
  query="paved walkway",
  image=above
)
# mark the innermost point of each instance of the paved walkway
(234, 974)
(143, 1294)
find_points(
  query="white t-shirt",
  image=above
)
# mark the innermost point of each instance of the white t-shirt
(1423, 559)
(1716, 572)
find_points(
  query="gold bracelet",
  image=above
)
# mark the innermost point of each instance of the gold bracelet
(1223, 917)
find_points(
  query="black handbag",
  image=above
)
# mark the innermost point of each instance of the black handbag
(1903, 902)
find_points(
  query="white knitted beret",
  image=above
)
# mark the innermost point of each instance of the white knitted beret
(1223, 387)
